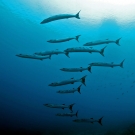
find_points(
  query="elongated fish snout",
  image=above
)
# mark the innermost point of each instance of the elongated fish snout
(49, 41)
(75, 120)
(42, 22)
(62, 69)
(45, 104)
(50, 84)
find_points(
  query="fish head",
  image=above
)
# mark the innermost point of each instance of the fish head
(50, 40)
(18, 55)
(62, 69)
(46, 104)
(69, 49)
(58, 114)
(53, 84)
(76, 120)
(91, 64)
(37, 53)
(66, 50)
(58, 91)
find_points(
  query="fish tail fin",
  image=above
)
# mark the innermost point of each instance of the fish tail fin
(76, 114)
(67, 54)
(77, 37)
(121, 64)
(83, 80)
(102, 51)
(100, 121)
(117, 41)
(89, 69)
(77, 15)
(79, 88)
(71, 106)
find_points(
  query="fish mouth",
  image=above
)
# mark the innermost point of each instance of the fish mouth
(42, 22)
(45, 104)
(74, 121)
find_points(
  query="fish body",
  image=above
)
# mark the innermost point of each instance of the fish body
(107, 64)
(33, 56)
(67, 114)
(70, 91)
(63, 40)
(91, 120)
(62, 106)
(54, 52)
(84, 49)
(76, 69)
(70, 81)
(59, 17)
(99, 42)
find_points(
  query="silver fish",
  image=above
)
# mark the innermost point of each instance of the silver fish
(54, 52)
(107, 64)
(84, 49)
(91, 120)
(64, 39)
(99, 42)
(70, 81)
(33, 56)
(70, 91)
(76, 69)
(63, 106)
(67, 114)
(60, 16)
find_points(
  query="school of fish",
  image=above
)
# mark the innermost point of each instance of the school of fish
(88, 49)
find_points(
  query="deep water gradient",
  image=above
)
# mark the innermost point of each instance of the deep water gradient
(109, 92)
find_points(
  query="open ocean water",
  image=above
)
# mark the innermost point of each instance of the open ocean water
(109, 92)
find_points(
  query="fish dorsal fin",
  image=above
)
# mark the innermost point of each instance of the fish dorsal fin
(72, 78)
(91, 118)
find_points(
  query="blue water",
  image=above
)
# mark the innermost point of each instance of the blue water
(109, 92)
